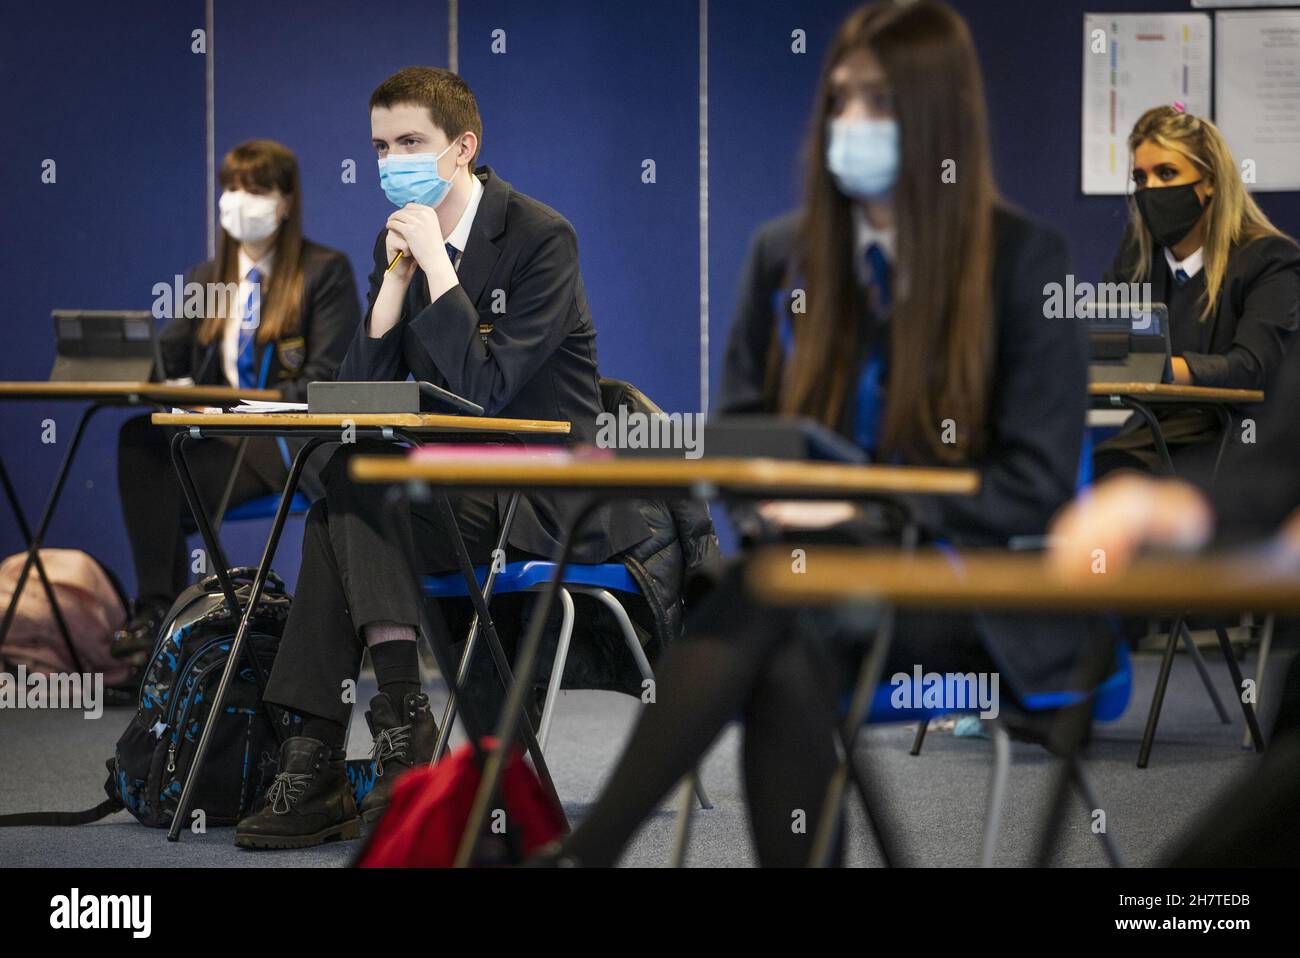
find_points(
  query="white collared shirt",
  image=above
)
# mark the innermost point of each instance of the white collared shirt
(230, 335)
(459, 236)
(1191, 266)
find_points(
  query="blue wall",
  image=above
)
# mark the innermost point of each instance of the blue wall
(584, 93)
(112, 94)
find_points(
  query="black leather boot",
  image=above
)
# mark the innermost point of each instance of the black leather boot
(141, 630)
(404, 738)
(309, 802)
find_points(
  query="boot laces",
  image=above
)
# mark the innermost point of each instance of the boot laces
(285, 790)
(390, 743)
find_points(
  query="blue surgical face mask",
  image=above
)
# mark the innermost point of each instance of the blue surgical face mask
(413, 178)
(862, 155)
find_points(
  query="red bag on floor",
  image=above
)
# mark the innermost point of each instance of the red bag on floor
(430, 809)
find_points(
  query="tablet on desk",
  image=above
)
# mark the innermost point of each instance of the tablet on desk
(778, 437)
(411, 396)
(104, 346)
(1128, 343)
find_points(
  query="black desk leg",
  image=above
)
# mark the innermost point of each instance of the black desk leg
(1065, 740)
(212, 541)
(494, 642)
(828, 826)
(864, 689)
(26, 532)
(237, 644)
(1167, 462)
(1225, 435)
(1158, 698)
(216, 554)
(471, 641)
(513, 711)
(1157, 436)
(1252, 721)
(42, 527)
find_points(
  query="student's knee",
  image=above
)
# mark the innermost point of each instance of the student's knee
(139, 431)
(317, 527)
(335, 470)
(795, 678)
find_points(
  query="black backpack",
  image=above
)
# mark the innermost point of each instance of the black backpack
(153, 756)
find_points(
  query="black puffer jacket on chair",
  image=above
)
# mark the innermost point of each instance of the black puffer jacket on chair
(681, 539)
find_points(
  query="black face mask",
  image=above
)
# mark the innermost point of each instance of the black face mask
(1170, 212)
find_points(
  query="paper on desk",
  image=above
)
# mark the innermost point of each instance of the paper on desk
(261, 406)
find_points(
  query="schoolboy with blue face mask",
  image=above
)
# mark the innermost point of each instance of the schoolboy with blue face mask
(461, 244)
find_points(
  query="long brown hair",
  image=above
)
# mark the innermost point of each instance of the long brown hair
(1232, 217)
(264, 165)
(941, 331)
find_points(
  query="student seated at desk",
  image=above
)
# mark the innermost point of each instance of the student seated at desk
(1252, 824)
(924, 341)
(290, 323)
(468, 242)
(1230, 278)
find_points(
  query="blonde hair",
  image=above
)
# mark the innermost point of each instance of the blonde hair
(1232, 218)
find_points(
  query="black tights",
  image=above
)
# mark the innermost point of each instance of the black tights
(784, 686)
(786, 674)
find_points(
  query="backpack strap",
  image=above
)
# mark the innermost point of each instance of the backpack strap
(105, 808)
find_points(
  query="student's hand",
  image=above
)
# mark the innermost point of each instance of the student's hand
(797, 514)
(1290, 534)
(404, 269)
(1182, 372)
(420, 230)
(1118, 517)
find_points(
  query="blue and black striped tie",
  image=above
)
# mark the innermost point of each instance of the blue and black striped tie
(247, 361)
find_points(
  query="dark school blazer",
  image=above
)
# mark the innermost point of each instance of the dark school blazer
(1034, 430)
(1244, 343)
(536, 359)
(330, 315)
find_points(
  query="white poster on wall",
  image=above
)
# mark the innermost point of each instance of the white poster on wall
(1132, 62)
(1257, 95)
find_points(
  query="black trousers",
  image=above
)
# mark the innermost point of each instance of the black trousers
(354, 574)
(153, 502)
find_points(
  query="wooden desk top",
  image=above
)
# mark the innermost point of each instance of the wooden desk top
(1000, 581)
(745, 475)
(177, 395)
(413, 422)
(1171, 393)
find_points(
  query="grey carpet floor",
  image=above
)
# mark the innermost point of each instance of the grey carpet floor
(53, 760)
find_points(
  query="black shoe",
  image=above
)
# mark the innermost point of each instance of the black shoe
(309, 802)
(141, 629)
(403, 740)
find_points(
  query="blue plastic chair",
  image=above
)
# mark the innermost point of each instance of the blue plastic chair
(263, 507)
(1110, 699)
(598, 581)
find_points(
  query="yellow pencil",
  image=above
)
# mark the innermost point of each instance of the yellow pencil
(394, 262)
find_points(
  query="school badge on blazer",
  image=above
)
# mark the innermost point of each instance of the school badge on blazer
(293, 353)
